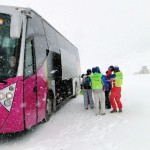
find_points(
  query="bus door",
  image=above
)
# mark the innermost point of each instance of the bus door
(30, 86)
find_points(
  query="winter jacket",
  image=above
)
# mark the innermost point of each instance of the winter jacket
(86, 82)
(98, 81)
(117, 78)
(108, 82)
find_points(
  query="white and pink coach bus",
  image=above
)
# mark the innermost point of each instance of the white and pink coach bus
(39, 69)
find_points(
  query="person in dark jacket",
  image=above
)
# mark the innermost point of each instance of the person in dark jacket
(87, 90)
(107, 92)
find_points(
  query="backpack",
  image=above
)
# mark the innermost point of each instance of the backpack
(87, 83)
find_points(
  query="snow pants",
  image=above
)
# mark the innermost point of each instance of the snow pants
(87, 95)
(115, 98)
(99, 98)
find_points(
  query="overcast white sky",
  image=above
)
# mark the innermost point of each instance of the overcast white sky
(106, 32)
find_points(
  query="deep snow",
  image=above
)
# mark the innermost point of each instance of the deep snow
(73, 128)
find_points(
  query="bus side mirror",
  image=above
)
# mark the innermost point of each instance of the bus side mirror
(16, 23)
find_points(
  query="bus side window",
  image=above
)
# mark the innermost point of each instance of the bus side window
(29, 58)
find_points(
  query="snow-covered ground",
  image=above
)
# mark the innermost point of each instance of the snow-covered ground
(112, 32)
(73, 128)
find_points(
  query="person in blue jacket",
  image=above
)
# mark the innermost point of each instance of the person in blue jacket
(107, 92)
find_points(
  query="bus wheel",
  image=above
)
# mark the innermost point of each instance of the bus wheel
(48, 110)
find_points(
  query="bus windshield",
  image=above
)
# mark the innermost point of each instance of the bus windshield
(9, 49)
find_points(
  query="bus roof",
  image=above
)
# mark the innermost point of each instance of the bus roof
(11, 9)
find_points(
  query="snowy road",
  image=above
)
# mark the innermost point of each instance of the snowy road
(73, 128)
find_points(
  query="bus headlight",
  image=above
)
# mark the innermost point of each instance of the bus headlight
(7, 102)
(9, 95)
(2, 96)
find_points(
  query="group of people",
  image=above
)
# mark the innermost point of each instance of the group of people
(104, 89)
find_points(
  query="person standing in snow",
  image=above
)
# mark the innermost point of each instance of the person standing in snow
(115, 95)
(87, 90)
(107, 93)
(98, 81)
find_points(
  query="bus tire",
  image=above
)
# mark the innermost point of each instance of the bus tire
(48, 109)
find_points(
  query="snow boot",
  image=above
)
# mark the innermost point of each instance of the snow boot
(120, 110)
(113, 111)
(108, 107)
